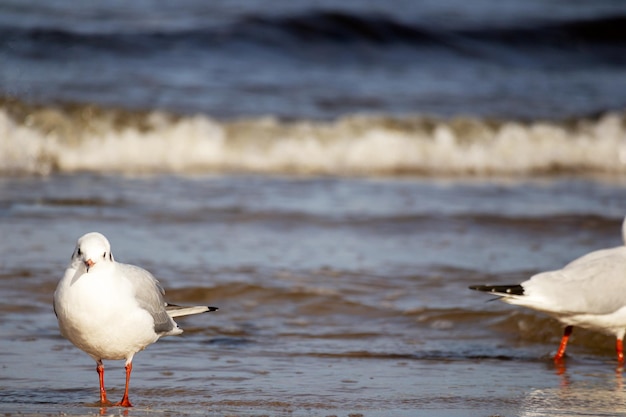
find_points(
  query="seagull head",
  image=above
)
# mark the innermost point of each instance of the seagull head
(92, 249)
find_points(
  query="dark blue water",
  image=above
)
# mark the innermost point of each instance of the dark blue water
(306, 59)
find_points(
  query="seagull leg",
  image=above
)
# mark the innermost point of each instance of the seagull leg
(619, 347)
(561, 352)
(125, 402)
(103, 393)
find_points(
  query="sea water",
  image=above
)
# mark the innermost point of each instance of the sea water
(331, 176)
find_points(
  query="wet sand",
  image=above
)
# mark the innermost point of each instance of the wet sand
(341, 387)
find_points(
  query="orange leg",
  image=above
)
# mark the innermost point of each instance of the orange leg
(561, 352)
(103, 393)
(619, 347)
(125, 402)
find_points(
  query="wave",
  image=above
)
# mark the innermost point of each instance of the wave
(73, 138)
(603, 37)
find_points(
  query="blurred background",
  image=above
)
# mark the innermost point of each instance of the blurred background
(418, 87)
(332, 175)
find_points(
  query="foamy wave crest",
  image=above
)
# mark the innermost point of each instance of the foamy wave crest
(43, 140)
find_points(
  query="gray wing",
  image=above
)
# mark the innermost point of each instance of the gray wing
(593, 284)
(149, 296)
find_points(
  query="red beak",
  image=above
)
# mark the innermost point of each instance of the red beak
(89, 263)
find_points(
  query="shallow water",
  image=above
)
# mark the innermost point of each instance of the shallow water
(389, 155)
(337, 296)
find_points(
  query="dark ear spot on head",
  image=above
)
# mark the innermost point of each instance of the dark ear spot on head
(110, 256)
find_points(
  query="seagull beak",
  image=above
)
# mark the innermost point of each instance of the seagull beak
(89, 263)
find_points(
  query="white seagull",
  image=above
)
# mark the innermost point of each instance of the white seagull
(112, 310)
(589, 292)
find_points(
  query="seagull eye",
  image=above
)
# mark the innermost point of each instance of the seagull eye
(78, 252)
(104, 255)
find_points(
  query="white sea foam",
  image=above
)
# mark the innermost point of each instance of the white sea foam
(42, 141)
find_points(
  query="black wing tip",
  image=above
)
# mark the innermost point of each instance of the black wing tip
(176, 306)
(500, 289)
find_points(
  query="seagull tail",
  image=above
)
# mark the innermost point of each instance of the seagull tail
(177, 311)
(503, 290)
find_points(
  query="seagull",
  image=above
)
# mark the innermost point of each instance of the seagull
(112, 310)
(589, 292)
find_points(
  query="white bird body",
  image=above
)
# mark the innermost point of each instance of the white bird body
(85, 301)
(112, 310)
(591, 286)
(589, 292)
